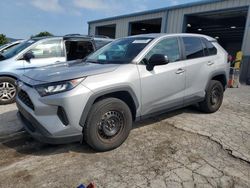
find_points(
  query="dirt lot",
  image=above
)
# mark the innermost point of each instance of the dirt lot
(183, 148)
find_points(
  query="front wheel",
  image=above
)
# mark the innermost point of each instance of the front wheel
(7, 90)
(108, 124)
(213, 98)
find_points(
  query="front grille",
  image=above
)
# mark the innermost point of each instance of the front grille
(24, 97)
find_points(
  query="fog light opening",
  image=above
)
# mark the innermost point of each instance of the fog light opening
(62, 115)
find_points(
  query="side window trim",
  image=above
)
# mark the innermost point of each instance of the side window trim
(63, 48)
(93, 45)
(182, 48)
(205, 48)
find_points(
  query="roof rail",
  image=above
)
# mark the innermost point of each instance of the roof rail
(75, 34)
(99, 36)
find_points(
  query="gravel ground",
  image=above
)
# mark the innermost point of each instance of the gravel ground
(183, 148)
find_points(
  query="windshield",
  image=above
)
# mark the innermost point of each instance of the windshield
(18, 48)
(121, 51)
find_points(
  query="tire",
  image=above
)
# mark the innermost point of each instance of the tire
(107, 112)
(7, 90)
(213, 98)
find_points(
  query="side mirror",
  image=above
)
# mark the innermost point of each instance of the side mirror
(28, 56)
(157, 59)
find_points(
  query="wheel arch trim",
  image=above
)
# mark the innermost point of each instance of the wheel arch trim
(9, 75)
(96, 95)
(219, 73)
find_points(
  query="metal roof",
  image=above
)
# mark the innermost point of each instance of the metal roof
(157, 10)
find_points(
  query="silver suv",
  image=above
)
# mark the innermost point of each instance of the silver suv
(129, 79)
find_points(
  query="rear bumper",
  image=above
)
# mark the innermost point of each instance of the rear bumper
(36, 130)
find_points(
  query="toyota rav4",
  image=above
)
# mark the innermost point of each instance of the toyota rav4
(132, 78)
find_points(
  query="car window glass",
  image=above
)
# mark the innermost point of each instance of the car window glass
(18, 48)
(48, 49)
(211, 48)
(9, 48)
(78, 49)
(168, 47)
(193, 47)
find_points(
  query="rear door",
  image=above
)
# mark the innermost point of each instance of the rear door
(46, 52)
(164, 86)
(198, 65)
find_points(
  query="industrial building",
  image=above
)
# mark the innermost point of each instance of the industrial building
(226, 20)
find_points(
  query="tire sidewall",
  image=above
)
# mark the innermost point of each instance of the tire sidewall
(97, 112)
(214, 84)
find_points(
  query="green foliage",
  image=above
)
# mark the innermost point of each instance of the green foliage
(43, 34)
(3, 39)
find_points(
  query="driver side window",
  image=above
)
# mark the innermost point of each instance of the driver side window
(168, 47)
(48, 49)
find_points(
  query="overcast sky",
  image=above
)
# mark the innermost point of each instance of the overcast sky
(23, 18)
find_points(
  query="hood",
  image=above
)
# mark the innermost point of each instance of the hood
(66, 71)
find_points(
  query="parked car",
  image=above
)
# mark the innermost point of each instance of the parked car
(9, 46)
(37, 52)
(127, 80)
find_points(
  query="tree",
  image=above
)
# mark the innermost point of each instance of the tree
(3, 39)
(43, 34)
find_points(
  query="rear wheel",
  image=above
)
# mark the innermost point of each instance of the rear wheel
(108, 124)
(7, 90)
(213, 98)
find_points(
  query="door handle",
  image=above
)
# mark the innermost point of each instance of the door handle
(179, 71)
(210, 63)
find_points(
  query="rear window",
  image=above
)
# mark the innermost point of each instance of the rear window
(193, 47)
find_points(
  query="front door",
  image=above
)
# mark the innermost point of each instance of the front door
(163, 87)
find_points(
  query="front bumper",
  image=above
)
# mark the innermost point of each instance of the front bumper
(42, 121)
(36, 130)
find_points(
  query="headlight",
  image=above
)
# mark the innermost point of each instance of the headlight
(57, 87)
